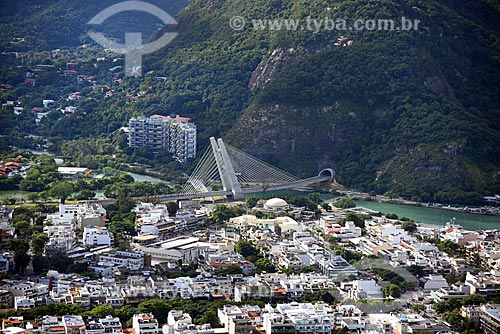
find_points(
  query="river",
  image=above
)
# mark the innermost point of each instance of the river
(146, 178)
(433, 216)
(58, 161)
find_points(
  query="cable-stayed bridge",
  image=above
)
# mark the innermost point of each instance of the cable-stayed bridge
(224, 170)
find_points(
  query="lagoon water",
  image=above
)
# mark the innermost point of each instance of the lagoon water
(146, 178)
(433, 216)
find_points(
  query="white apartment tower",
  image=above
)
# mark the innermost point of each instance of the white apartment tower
(175, 134)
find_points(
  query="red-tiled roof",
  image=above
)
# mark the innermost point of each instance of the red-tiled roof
(405, 245)
(253, 314)
(56, 328)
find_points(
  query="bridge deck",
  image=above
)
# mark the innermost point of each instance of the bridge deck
(290, 185)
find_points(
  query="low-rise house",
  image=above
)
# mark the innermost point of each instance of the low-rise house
(62, 238)
(114, 297)
(51, 325)
(362, 289)
(348, 231)
(28, 289)
(472, 312)
(13, 325)
(133, 295)
(73, 324)
(93, 327)
(485, 284)
(79, 215)
(459, 266)
(239, 319)
(6, 234)
(453, 292)
(179, 322)
(22, 303)
(103, 270)
(97, 236)
(80, 296)
(112, 325)
(434, 282)
(490, 319)
(4, 263)
(221, 260)
(6, 298)
(337, 268)
(254, 291)
(145, 324)
(129, 259)
(305, 318)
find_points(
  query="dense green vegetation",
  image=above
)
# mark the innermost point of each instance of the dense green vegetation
(30, 242)
(451, 312)
(222, 213)
(345, 203)
(414, 112)
(43, 182)
(47, 25)
(309, 202)
(409, 115)
(358, 219)
(252, 254)
(391, 290)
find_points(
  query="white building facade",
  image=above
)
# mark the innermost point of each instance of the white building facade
(177, 135)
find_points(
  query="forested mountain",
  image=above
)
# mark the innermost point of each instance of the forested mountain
(51, 24)
(414, 112)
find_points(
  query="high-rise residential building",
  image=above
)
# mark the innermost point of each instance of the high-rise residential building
(176, 134)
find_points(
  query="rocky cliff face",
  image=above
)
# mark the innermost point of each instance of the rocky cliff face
(280, 134)
(268, 68)
(391, 112)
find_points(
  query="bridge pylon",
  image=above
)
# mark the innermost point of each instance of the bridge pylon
(226, 171)
(239, 173)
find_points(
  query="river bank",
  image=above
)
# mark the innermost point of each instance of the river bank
(435, 216)
(492, 211)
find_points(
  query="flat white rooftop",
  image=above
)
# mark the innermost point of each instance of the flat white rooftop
(175, 242)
